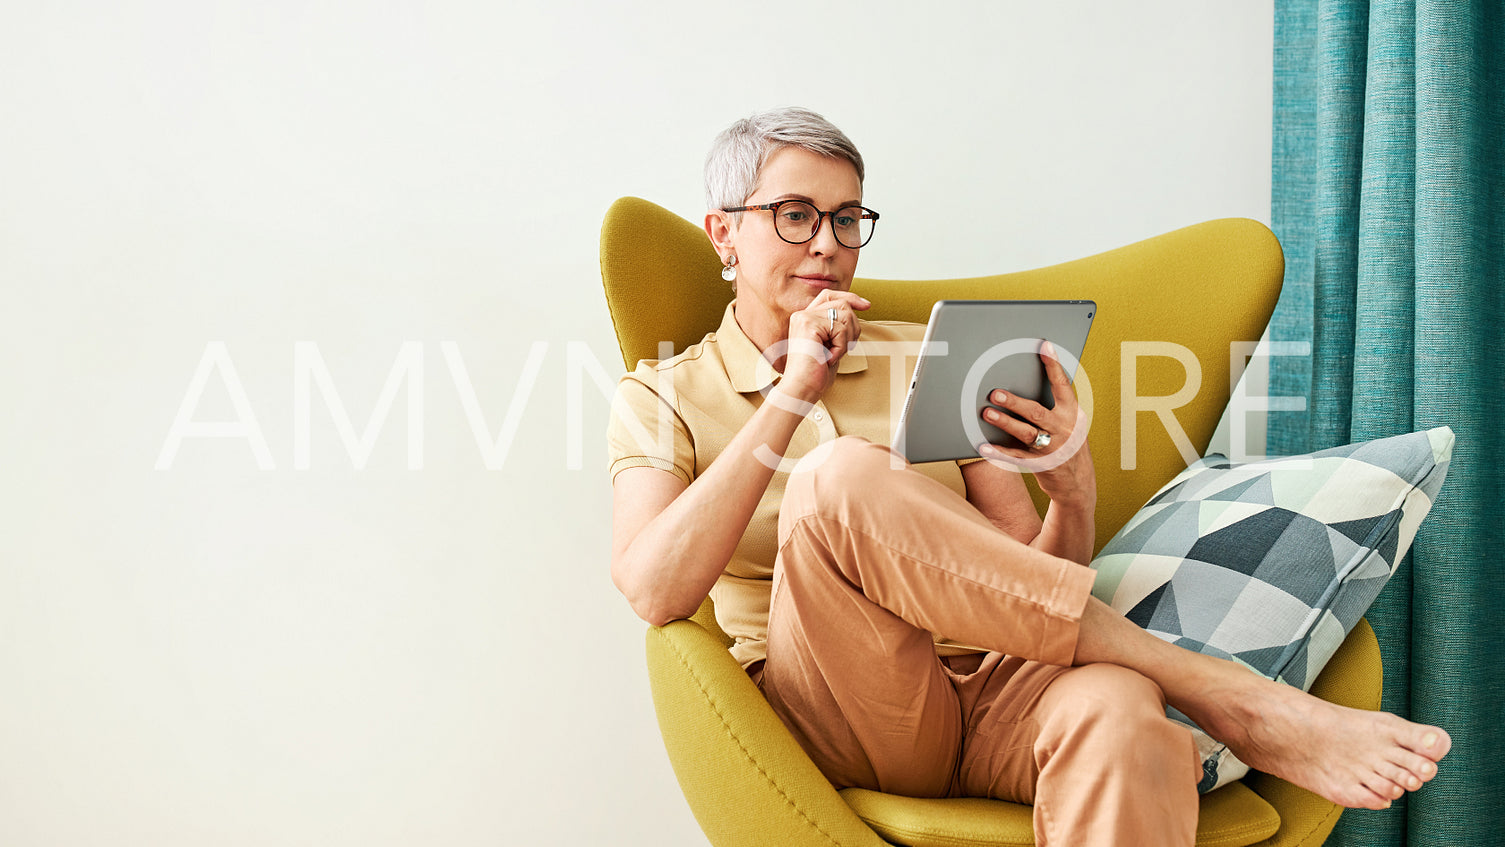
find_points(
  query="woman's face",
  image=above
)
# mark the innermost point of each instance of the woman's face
(775, 279)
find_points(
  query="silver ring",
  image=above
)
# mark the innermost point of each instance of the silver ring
(831, 313)
(1042, 439)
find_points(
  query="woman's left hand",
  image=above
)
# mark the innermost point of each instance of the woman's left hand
(1052, 442)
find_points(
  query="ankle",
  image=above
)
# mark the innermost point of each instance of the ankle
(1221, 694)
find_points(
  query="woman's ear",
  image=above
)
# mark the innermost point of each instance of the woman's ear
(718, 228)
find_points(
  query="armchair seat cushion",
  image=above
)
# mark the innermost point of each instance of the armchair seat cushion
(1232, 816)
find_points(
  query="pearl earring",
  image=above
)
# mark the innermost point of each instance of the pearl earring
(729, 272)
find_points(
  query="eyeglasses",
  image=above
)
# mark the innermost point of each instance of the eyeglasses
(797, 221)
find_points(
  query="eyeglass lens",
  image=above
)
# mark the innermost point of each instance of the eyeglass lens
(796, 222)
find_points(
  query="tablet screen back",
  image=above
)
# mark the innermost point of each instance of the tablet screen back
(972, 347)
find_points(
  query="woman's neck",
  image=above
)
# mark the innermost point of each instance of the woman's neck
(767, 335)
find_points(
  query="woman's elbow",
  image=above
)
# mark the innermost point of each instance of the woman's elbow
(657, 612)
(659, 616)
(649, 601)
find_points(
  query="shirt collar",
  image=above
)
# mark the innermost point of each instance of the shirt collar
(745, 364)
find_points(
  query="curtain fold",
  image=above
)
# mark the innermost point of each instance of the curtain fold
(1389, 198)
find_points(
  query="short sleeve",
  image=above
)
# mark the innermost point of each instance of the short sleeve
(645, 430)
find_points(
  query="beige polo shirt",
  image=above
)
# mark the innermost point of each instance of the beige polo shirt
(678, 415)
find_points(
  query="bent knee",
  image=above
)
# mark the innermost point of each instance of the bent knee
(832, 476)
(847, 458)
(1120, 715)
(1105, 695)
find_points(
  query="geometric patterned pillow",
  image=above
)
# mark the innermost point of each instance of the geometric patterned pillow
(1271, 563)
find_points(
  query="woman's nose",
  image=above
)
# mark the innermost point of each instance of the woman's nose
(824, 242)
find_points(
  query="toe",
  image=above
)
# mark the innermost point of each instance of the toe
(1406, 768)
(1398, 776)
(1365, 798)
(1428, 741)
(1386, 790)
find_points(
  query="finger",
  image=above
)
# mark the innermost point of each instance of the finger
(1055, 372)
(854, 325)
(839, 338)
(1022, 431)
(1023, 407)
(829, 318)
(835, 314)
(851, 298)
(849, 327)
(808, 340)
(831, 324)
(813, 327)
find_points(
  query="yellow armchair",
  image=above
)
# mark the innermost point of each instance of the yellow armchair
(1200, 289)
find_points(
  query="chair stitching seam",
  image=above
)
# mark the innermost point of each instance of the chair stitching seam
(1334, 811)
(1334, 814)
(1240, 829)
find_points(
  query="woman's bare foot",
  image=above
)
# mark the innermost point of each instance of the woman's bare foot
(1352, 757)
(1355, 758)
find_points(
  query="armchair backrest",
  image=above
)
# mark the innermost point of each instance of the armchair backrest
(1169, 309)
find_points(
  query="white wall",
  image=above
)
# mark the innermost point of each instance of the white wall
(219, 654)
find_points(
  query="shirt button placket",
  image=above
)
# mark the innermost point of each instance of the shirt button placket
(823, 423)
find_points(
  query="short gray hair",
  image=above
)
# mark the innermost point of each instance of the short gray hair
(735, 162)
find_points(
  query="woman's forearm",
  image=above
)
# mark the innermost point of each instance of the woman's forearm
(670, 563)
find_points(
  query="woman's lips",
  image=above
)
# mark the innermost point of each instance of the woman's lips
(818, 281)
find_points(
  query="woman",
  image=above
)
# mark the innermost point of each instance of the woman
(922, 630)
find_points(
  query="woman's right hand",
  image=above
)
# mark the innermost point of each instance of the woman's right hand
(819, 336)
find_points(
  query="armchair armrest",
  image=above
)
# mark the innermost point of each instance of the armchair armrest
(747, 780)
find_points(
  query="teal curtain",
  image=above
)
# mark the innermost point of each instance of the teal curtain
(1389, 198)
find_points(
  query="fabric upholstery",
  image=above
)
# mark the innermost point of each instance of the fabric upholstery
(1231, 817)
(1272, 563)
(747, 781)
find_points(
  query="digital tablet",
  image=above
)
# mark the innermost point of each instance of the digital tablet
(972, 347)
